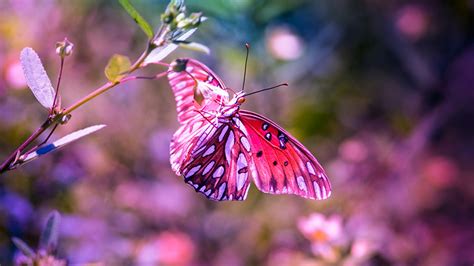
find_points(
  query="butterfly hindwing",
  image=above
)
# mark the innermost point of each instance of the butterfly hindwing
(218, 167)
(280, 164)
(186, 139)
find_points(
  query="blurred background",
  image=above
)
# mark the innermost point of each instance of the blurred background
(380, 91)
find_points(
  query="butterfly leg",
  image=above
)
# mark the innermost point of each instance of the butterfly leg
(208, 120)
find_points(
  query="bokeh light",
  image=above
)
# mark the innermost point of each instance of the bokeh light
(381, 93)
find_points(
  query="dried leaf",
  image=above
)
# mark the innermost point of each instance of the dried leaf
(49, 236)
(23, 247)
(60, 142)
(194, 46)
(36, 77)
(161, 52)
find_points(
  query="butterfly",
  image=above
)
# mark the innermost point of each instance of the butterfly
(219, 148)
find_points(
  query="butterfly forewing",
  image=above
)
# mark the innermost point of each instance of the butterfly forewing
(282, 165)
(184, 84)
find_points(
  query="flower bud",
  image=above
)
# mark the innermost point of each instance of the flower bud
(180, 17)
(64, 48)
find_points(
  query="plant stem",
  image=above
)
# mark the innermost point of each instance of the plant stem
(52, 119)
(6, 164)
(56, 102)
(107, 85)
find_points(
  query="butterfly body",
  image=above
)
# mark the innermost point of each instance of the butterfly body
(220, 148)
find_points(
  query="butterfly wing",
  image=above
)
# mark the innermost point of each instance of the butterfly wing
(188, 77)
(279, 163)
(185, 140)
(217, 165)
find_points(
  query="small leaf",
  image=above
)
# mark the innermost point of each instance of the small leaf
(163, 51)
(137, 18)
(60, 142)
(36, 77)
(23, 247)
(50, 234)
(117, 67)
(194, 46)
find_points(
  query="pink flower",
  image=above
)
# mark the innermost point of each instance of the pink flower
(325, 233)
(167, 248)
(412, 21)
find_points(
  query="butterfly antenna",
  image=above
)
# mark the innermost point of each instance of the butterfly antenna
(247, 46)
(266, 89)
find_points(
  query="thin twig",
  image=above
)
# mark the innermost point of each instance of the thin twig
(55, 118)
(56, 95)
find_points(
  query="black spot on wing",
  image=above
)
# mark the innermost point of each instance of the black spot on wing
(283, 139)
(243, 170)
(273, 183)
(259, 154)
(268, 136)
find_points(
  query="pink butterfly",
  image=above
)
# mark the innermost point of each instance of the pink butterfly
(220, 147)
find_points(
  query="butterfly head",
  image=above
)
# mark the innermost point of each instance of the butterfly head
(232, 107)
(238, 99)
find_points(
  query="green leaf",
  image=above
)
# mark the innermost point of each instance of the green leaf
(137, 18)
(50, 234)
(117, 67)
(23, 247)
(194, 46)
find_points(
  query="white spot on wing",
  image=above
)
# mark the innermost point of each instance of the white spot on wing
(317, 190)
(246, 192)
(228, 146)
(208, 167)
(284, 190)
(221, 190)
(208, 192)
(201, 138)
(200, 150)
(301, 183)
(241, 161)
(218, 172)
(209, 151)
(323, 190)
(239, 125)
(245, 143)
(193, 171)
(224, 130)
(310, 168)
(241, 179)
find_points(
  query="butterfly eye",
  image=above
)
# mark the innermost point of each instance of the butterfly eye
(179, 65)
(241, 100)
